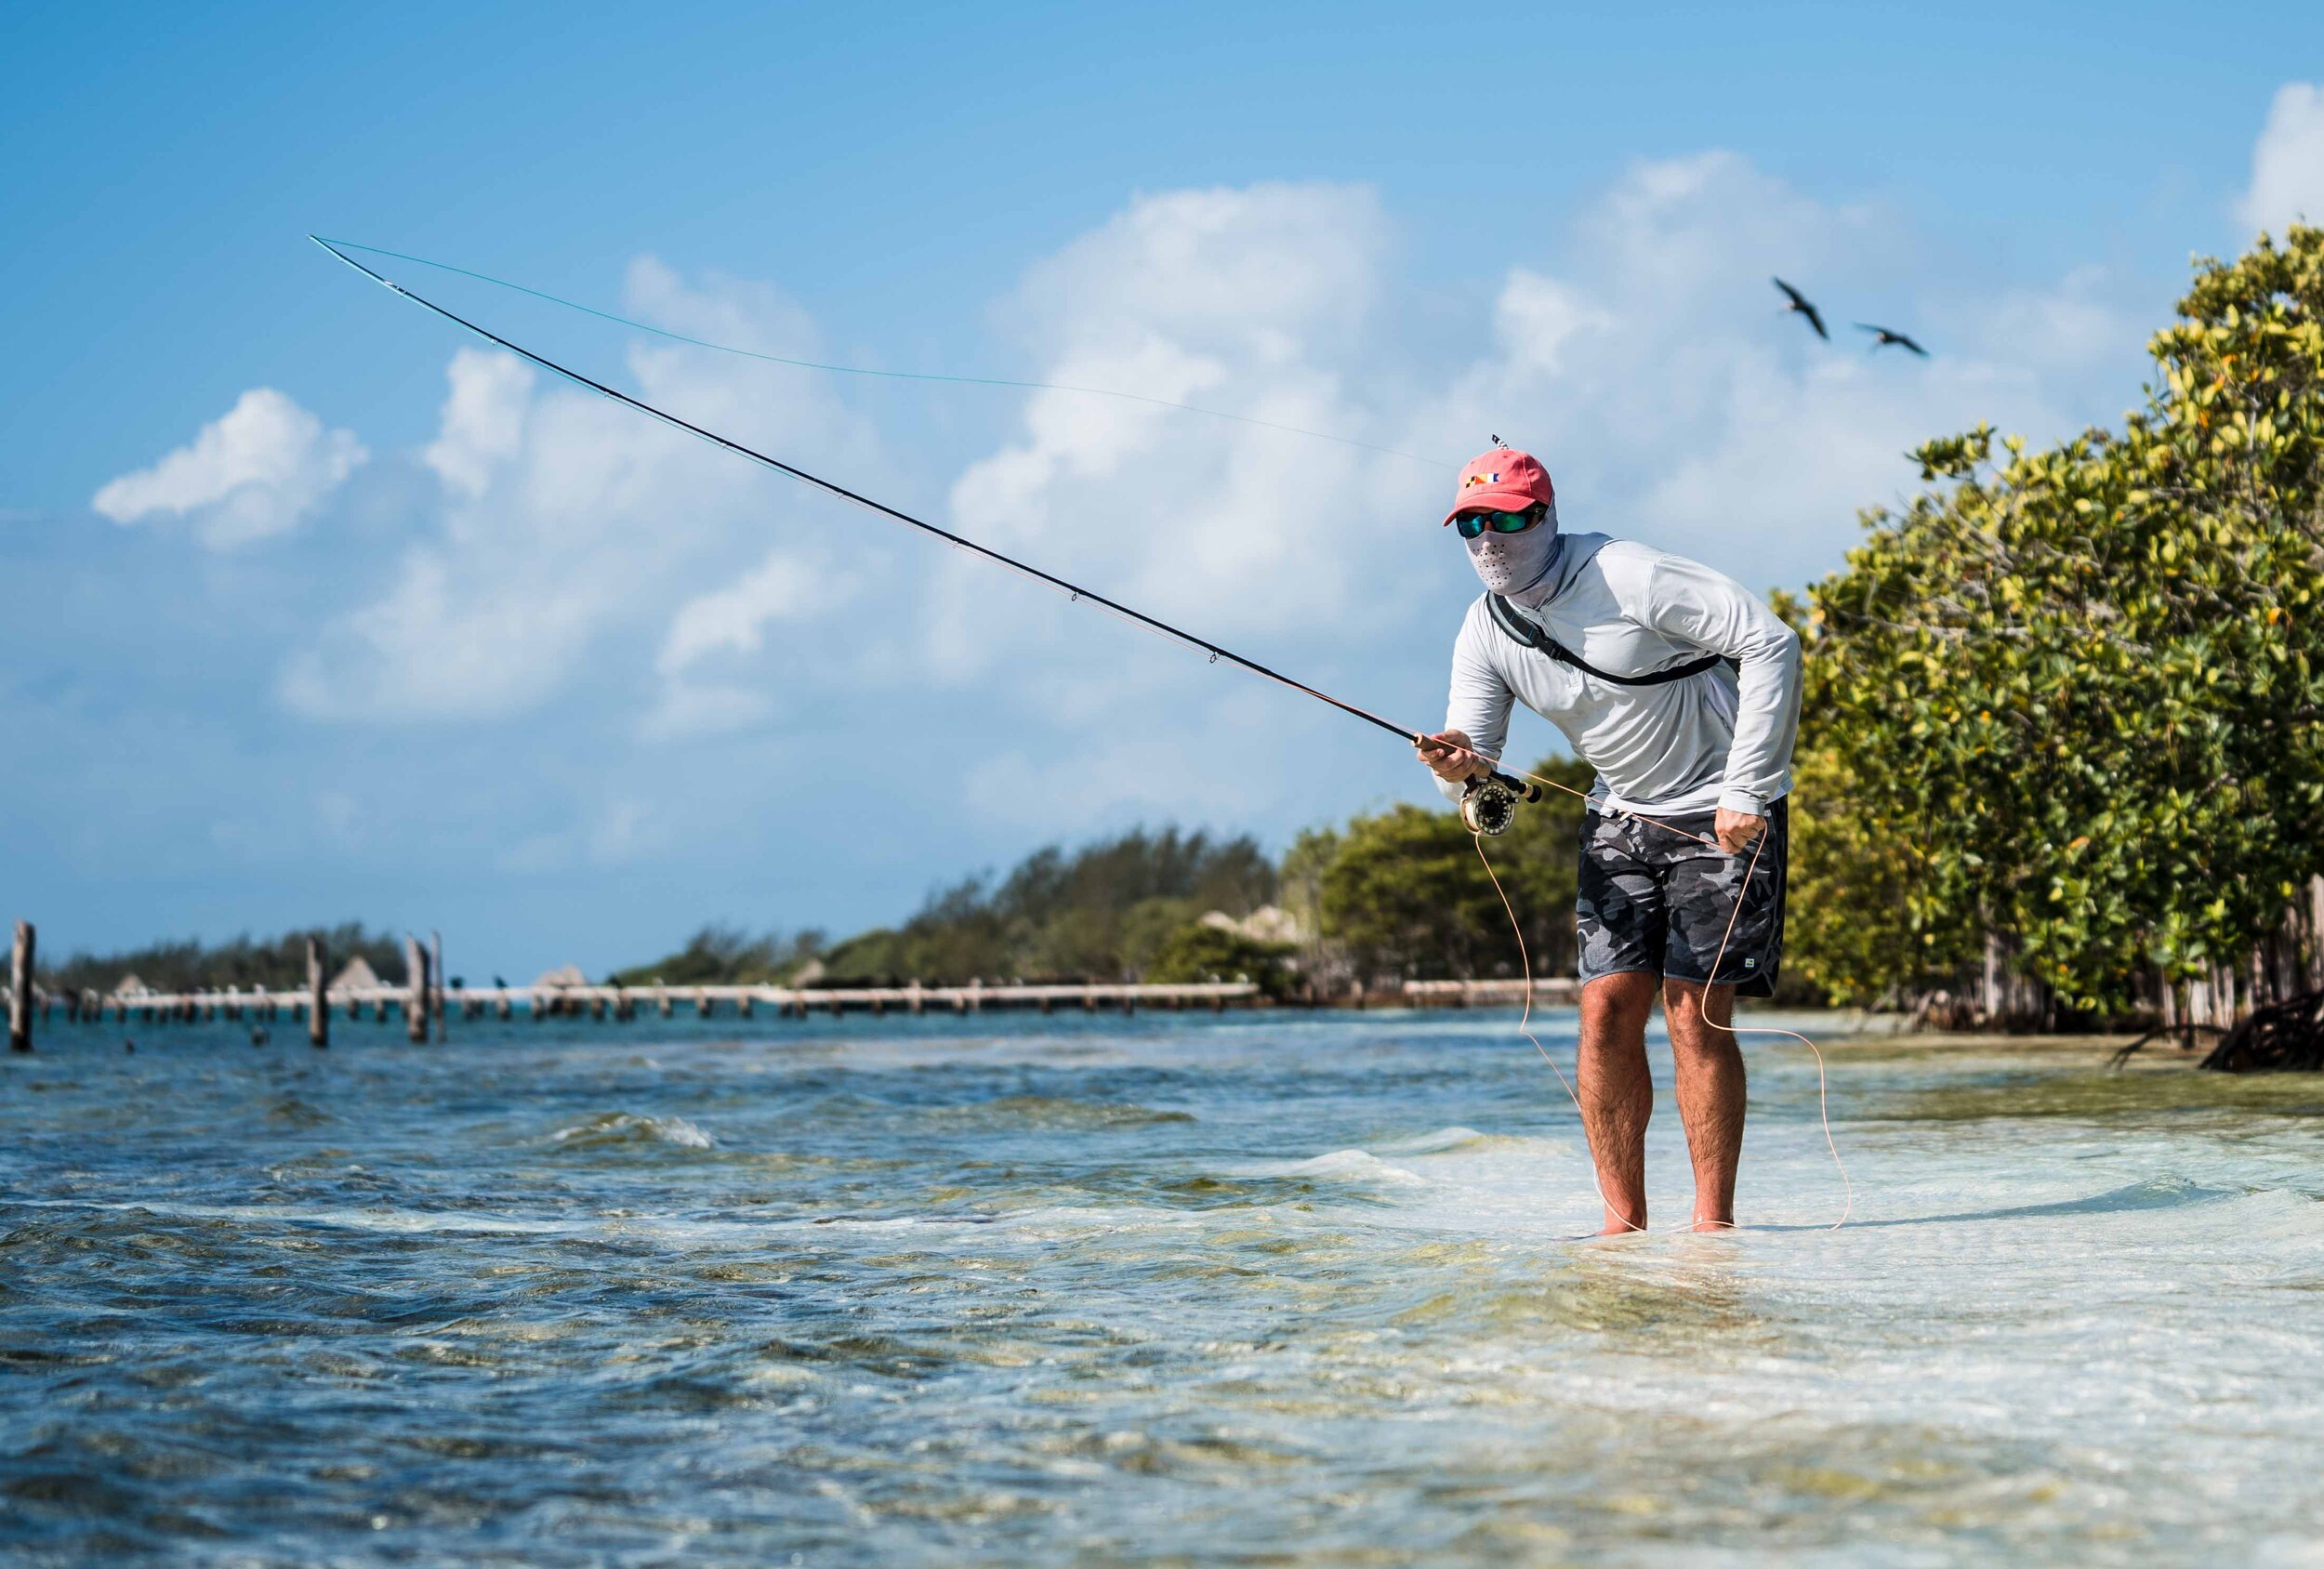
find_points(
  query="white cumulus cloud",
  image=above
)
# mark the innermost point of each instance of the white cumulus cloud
(734, 618)
(483, 422)
(2288, 161)
(785, 586)
(564, 520)
(1256, 302)
(256, 471)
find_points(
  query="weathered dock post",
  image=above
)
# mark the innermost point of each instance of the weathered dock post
(435, 970)
(416, 1003)
(20, 990)
(318, 1005)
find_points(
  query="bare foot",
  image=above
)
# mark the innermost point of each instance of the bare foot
(1703, 1223)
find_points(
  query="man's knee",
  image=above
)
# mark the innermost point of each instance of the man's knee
(1619, 1002)
(1698, 1016)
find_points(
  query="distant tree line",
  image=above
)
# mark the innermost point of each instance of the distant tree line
(1389, 896)
(1105, 912)
(725, 955)
(276, 963)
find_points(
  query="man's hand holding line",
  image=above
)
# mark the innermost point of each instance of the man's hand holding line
(1737, 831)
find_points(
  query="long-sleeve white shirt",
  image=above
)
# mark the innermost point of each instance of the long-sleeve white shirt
(1720, 739)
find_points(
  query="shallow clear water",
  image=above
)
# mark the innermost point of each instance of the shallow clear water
(1266, 1290)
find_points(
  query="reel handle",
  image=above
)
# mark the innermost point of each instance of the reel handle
(1524, 789)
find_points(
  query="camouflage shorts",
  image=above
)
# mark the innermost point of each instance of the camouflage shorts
(1654, 902)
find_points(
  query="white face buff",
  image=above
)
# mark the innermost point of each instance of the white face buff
(1511, 563)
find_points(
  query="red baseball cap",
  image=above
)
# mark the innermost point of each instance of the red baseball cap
(1503, 481)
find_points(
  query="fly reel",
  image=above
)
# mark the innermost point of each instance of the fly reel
(1489, 808)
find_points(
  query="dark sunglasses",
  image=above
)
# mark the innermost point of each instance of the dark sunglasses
(1472, 524)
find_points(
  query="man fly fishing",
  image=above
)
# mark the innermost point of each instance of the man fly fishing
(1682, 691)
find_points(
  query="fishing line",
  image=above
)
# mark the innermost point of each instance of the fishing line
(334, 246)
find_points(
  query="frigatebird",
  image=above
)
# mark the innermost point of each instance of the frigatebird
(1883, 335)
(1799, 302)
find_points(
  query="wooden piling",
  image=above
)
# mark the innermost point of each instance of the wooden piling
(435, 970)
(416, 999)
(318, 1006)
(20, 989)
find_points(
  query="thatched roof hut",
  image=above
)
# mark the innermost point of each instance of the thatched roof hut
(357, 977)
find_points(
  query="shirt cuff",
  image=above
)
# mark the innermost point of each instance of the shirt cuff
(1743, 801)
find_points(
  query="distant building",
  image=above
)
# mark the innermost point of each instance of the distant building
(563, 976)
(131, 985)
(357, 977)
(1269, 923)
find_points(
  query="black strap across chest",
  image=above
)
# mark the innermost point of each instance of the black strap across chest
(1531, 634)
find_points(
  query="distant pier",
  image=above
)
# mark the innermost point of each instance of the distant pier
(624, 1002)
(430, 1007)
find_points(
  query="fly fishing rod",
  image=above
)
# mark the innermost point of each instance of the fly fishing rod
(1489, 807)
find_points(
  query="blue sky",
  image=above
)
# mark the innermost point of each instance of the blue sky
(316, 612)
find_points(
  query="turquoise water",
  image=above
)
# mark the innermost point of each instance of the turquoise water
(1280, 1289)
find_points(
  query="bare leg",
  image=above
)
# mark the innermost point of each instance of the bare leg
(1617, 1095)
(1709, 1077)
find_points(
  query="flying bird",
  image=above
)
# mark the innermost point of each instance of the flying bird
(1883, 335)
(1799, 302)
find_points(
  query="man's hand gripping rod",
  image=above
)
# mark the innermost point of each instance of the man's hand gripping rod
(1489, 805)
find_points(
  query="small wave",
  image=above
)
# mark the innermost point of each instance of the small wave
(2154, 1194)
(612, 1128)
(1352, 1165)
(1444, 1141)
(1437, 1143)
(354, 1219)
